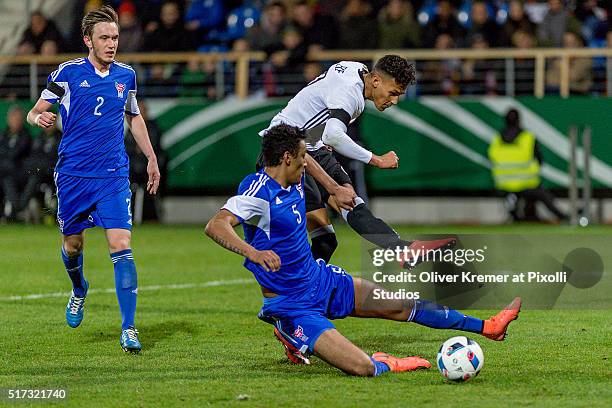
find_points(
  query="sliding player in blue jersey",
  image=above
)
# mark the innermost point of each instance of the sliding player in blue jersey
(302, 295)
(95, 94)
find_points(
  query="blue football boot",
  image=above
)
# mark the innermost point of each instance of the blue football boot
(74, 308)
(129, 340)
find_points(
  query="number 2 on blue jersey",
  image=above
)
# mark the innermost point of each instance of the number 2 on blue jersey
(100, 102)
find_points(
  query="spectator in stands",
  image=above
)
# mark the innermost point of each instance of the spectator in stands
(580, 69)
(39, 31)
(536, 10)
(442, 77)
(203, 16)
(138, 165)
(131, 38)
(287, 63)
(198, 80)
(397, 27)
(15, 144)
(478, 76)
(170, 35)
(523, 67)
(516, 160)
(39, 167)
(358, 27)
(517, 20)
(266, 33)
(556, 22)
(320, 31)
(483, 26)
(161, 80)
(444, 22)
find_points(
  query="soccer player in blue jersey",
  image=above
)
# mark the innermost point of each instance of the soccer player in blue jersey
(302, 295)
(95, 94)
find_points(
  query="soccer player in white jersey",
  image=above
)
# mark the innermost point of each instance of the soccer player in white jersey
(95, 95)
(302, 295)
(324, 109)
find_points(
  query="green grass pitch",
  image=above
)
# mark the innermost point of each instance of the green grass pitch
(203, 344)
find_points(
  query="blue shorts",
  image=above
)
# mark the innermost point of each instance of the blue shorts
(303, 317)
(84, 202)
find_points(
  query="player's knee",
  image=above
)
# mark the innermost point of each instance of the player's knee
(73, 248)
(324, 243)
(119, 244)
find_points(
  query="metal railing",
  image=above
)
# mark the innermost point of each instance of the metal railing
(513, 70)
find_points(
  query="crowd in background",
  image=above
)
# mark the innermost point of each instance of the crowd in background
(288, 30)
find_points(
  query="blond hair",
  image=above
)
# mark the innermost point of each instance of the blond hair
(104, 14)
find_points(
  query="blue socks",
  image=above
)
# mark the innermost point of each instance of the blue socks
(379, 367)
(436, 316)
(74, 267)
(126, 285)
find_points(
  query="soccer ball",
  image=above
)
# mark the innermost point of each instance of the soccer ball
(460, 359)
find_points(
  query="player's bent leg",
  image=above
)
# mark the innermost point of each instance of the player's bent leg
(338, 351)
(72, 256)
(369, 303)
(126, 285)
(322, 234)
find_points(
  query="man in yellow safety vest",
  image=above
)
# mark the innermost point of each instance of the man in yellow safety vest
(515, 159)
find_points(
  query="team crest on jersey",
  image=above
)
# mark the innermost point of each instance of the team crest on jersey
(120, 88)
(340, 68)
(299, 333)
(299, 188)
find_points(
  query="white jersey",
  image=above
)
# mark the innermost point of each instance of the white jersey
(337, 93)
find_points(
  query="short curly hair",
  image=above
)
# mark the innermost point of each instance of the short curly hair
(278, 140)
(398, 68)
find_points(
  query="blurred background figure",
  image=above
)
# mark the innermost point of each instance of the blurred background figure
(40, 30)
(555, 24)
(516, 158)
(145, 206)
(397, 27)
(170, 35)
(131, 31)
(15, 145)
(580, 69)
(265, 35)
(358, 28)
(39, 165)
(319, 30)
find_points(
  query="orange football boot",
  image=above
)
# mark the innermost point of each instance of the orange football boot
(293, 354)
(398, 365)
(495, 327)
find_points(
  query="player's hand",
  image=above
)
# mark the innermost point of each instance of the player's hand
(267, 259)
(345, 197)
(154, 176)
(388, 160)
(46, 119)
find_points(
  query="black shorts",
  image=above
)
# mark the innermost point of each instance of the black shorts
(316, 195)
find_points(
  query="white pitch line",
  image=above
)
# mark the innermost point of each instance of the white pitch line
(141, 288)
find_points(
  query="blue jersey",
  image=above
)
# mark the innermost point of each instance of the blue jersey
(92, 111)
(274, 218)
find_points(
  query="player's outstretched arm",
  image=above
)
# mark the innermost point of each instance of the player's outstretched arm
(38, 115)
(344, 196)
(334, 135)
(141, 136)
(221, 229)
